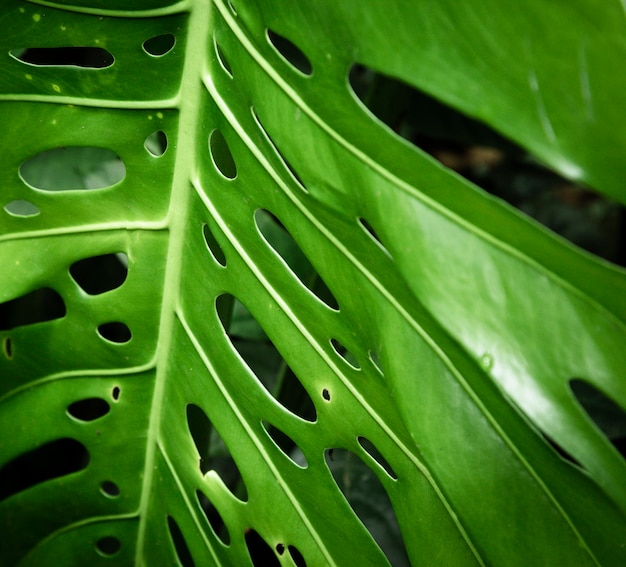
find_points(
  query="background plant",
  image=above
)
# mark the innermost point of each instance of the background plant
(237, 307)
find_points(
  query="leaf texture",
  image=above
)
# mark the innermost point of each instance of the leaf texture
(260, 201)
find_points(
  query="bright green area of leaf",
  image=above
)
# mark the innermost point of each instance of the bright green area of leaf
(477, 318)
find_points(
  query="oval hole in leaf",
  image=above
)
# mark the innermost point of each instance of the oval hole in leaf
(115, 332)
(608, 416)
(38, 306)
(22, 208)
(368, 499)
(159, 45)
(221, 155)
(373, 452)
(52, 460)
(100, 274)
(297, 557)
(108, 546)
(110, 489)
(222, 59)
(213, 245)
(89, 409)
(367, 227)
(344, 353)
(88, 57)
(292, 172)
(264, 360)
(261, 554)
(281, 241)
(290, 53)
(180, 545)
(214, 518)
(326, 394)
(7, 346)
(156, 143)
(115, 393)
(286, 444)
(213, 452)
(73, 168)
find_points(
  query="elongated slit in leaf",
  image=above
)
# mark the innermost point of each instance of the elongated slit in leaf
(52, 460)
(373, 452)
(290, 52)
(369, 230)
(286, 444)
(213, 452)
(261, 554)
(213, 245)
(214, 518)
(608, 416)
(345, 354)
(265, 361)
(222, 58)
(279, 153)
(38, 306)
(369, 500)
(283, 243)
(87, 57)
(221, 155)
(180, 545)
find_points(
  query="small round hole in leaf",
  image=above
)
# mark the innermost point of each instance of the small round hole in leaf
(222, 157)
(21, 208)
(115, 393)
(326, 394)
(159, 45)
(108, 546)
(156, 143)
(115, 332)
(110, 489)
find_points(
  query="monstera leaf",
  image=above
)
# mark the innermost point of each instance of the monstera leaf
(243, 321)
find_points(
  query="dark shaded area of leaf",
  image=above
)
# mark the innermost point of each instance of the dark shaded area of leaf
(100, 274)
(261, 554)
(290, 52)
(603, 411)
(52, 460)
(38, 306)
(88, 57)
(89, 409)
(367, 497)
(213, 452)
(494, 163)
(180, 545)
(214, 518)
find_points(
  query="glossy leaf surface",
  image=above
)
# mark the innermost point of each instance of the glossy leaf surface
(283, 277)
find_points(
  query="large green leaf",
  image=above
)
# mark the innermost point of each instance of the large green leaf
(445, 366)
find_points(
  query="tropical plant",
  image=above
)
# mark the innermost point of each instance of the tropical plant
(239, 312)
